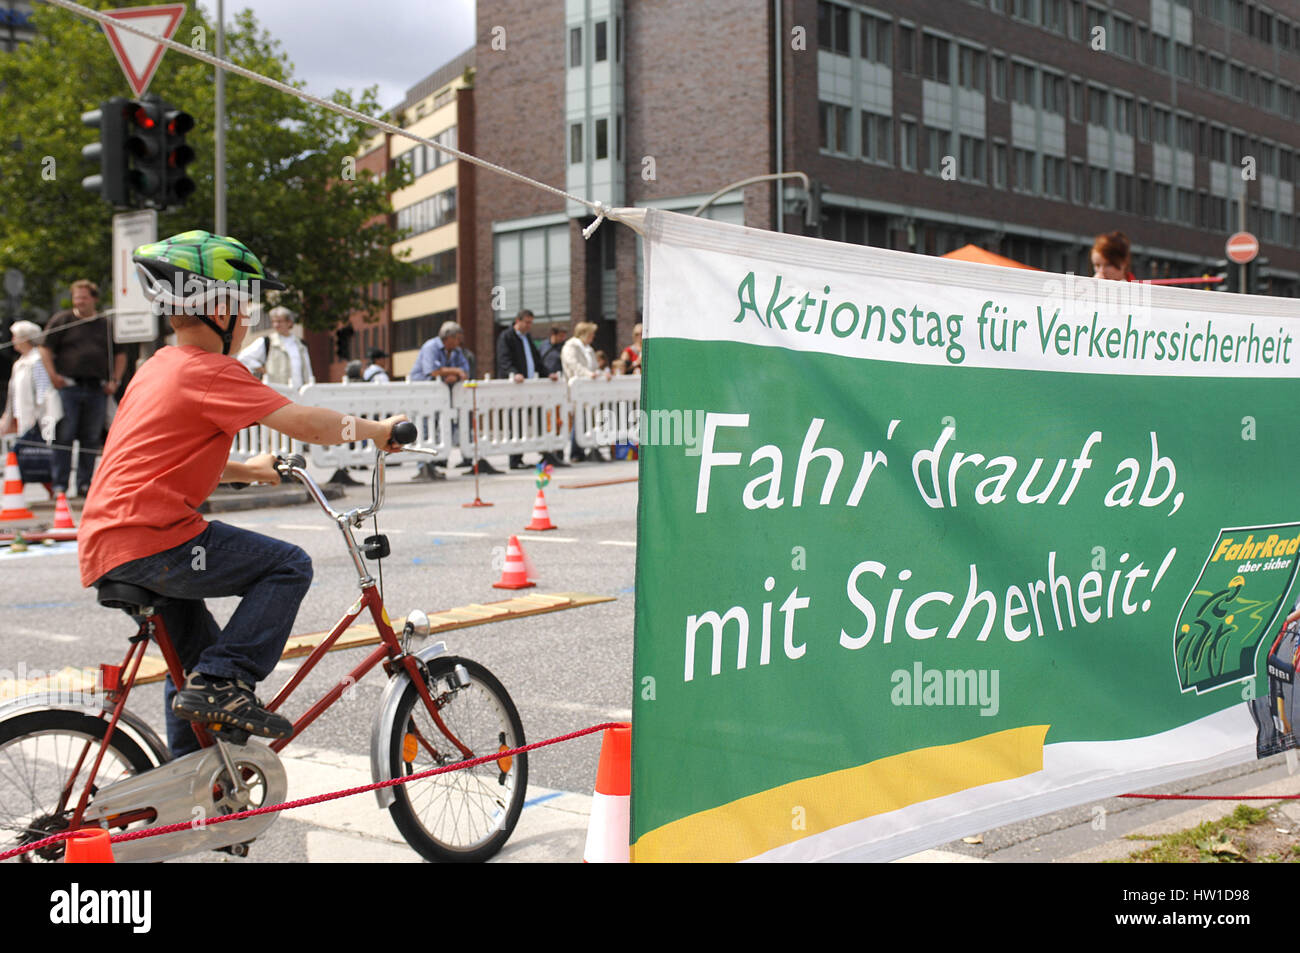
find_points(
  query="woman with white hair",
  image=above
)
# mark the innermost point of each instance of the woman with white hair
(579, 362)
(32, 406)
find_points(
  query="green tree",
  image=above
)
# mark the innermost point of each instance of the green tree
(291, 194)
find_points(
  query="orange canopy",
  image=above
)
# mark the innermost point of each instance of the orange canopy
(979, 255)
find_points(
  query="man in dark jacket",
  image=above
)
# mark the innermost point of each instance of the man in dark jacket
(518, 360)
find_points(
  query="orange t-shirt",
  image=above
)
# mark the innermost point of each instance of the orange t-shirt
(165, 452)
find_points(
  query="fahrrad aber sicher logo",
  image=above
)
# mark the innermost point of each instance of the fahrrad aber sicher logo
(1233, 605)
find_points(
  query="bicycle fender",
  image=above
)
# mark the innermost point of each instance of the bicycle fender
(91, 705)
(385, 715)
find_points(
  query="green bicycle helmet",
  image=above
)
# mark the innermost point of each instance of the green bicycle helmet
(187, 273)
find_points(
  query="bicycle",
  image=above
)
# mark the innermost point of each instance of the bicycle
(436, 710)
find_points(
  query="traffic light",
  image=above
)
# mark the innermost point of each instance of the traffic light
(1226, 271)
(176, 123)
(146, 141)
(1261, 277)
(109, 152)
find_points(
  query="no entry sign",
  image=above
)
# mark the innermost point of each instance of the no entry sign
(1242, 248)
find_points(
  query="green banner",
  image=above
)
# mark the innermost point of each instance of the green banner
(924, 546)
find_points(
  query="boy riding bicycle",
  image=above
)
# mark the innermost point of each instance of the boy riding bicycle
(168, 449)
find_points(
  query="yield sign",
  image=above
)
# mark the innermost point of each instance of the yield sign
(138, 56)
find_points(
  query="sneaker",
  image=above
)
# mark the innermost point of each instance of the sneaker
(228, 701)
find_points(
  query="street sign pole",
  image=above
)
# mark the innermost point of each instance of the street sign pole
(1241, 227)
(219, 135)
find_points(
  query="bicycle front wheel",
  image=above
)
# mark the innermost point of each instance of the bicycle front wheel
(39, 753)
(465, 815)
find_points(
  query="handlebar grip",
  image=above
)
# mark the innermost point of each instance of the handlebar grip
(404, 432)
(284, 462)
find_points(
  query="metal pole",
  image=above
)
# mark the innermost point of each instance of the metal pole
(778, 176)
(1241, 217)
(778, 40)
(219, 150)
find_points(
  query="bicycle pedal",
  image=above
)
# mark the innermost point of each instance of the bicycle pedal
(229, 733)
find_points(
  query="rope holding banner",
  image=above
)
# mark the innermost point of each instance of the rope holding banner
(599, 208)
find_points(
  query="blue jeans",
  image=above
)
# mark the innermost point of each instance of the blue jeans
(271, 575)
(84, 410)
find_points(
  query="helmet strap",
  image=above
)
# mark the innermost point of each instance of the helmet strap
(226, 334)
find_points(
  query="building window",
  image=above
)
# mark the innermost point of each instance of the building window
(1097, 187)
(833, 27)
(934, 58)
(602, 42)
(971, 165)
(906, 49)
(1122, 38)
(1144, 122)
(1164, 202)
(1161, 126)
(1054, 15)
(1096, 21)
(602, 138)
(877, 138)
(1076, 19)
(937, 148)
(1053, 93)
(1079, 180)
(1054, 177)
(1186, 134)
(1124, 121)
(1098, 114)
(1186, 207)
(1022, 84)
(575, 144)
(999, 64)
(532, 267)
(575, 47)
(835, 127)
(1124, 197)
(433, 212)
(999, 165)
(907, 145)
(1023, 160)
(1076, 100)
(970, 68)
(877, 40)
(618, 138)
(1025, 10)
(442, 271)
(1160, 52)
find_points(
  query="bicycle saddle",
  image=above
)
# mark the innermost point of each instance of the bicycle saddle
(123, 595)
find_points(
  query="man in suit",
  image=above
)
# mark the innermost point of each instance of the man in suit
(518, 359)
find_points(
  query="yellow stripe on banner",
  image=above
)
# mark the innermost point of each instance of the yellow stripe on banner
(761, 822)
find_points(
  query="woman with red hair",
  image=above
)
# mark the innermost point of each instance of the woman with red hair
(1110, 257)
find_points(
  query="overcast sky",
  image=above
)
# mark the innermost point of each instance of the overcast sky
(352, 44)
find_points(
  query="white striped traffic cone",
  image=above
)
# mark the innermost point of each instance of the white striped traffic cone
(64, 527)
(541, 515)
(14, 507)
(514, 574)
(611, 805)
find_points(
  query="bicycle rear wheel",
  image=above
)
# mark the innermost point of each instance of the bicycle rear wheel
(38, 753)
(469, 814)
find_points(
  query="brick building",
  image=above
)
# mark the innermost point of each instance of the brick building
(1024, 126)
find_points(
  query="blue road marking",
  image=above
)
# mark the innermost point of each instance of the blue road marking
(545, 797)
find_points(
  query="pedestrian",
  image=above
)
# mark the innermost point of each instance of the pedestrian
(580, 364)
(443, 358)
(551, 359)
(1111, 259)
(352, 373)
(86, 367)
(374, 372)
(518, 360)
(32, 409)
(279, 356)
(632, 353)
(602, 361)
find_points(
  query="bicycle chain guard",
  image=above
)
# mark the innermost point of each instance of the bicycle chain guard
(190, 790)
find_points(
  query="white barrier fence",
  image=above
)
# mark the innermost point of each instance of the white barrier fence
(534, 416)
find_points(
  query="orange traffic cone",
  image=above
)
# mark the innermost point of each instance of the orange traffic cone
(63, 527)
(514, 575)
(14, 507)
(541, 516)
(607, 832)
(90, 845)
